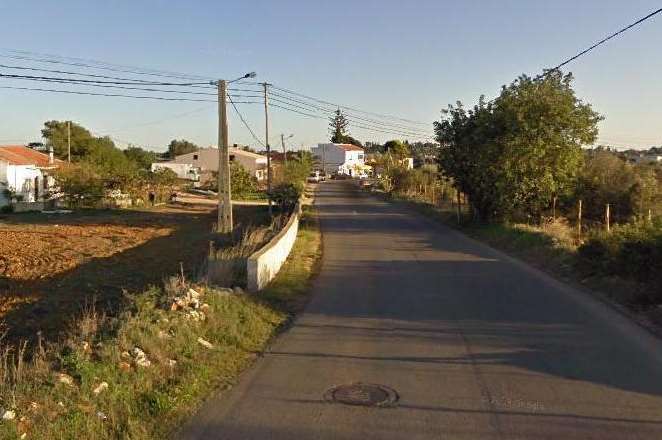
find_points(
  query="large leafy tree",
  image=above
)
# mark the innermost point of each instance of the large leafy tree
(143, 158)
(83, 142)
(519, 151)
(181, 146)
(397, 148)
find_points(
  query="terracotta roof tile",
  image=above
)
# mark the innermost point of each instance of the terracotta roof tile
(349, 147)
(22, 155)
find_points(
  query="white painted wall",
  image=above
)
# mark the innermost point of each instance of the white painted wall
(334, 158)
(21, 180)
(182, 170)
(264, 264)
(207, 160)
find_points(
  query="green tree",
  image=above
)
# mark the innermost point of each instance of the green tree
(82, 185)
(141, 157)
(338, 125)
(352, 141)
(397, 149)
(606, 178)
(519, 151)
(181, 146)
(83, 143)
(243, 184)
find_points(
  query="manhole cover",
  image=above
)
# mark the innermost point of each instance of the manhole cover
(364, 394)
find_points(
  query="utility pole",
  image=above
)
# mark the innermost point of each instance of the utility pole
(224, 196)
(69, 141)
(282, 141)
(266, 134)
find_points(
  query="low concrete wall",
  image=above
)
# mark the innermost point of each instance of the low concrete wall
(29, 206)
(264, 264)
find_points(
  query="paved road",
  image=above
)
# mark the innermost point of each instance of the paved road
(477, 345)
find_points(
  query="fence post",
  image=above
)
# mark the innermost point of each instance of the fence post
(554, 208)
(579, 221)
(607, 217)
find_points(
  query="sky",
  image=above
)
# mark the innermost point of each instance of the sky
(409, 59)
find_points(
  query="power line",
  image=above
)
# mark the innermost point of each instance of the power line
(321, 101)
(92, 75)
(72, 92)
(379, 124)
(92, 81)
(244, 121)
(94, 64)
(185, 92)
(66, 72)
(604, 40)
(355, 125)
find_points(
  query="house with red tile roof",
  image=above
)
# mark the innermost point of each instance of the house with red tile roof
(346, 159)
(25, 174)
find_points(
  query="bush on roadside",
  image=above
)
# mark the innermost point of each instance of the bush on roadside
(286, 195)
(633, 252)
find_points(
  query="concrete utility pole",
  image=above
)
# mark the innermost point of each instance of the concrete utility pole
(224, 222)
(69, 141)
(224, 195)
(266, 137)
(282, 141)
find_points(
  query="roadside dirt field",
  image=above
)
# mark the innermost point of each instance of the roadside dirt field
(53, 265)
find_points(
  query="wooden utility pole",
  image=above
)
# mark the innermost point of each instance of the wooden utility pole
(224, 195)
(607, 217)
(282, 141)
(266, 134)
(69, 141)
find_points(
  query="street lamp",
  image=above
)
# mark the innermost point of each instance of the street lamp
(282, 141)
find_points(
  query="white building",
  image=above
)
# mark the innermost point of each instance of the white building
(25, 174)
(649, 158)
(206, 160)
(344, 159)
(182, 170)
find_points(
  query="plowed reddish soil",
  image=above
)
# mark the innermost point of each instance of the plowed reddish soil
(53, 265)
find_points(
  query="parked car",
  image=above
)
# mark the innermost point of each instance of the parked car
(315, 177)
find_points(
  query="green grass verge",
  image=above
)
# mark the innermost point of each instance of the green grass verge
(149, 402)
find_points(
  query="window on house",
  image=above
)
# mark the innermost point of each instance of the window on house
(360, 156)
(195, 157)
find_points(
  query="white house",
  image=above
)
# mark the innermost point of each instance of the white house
(25, 174)
(649, 158)
(182, 170)
(344, 159)
(206, 160)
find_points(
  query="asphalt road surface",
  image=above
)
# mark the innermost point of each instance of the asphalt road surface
(477, 345)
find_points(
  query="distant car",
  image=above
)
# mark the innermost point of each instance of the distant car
(315, 177)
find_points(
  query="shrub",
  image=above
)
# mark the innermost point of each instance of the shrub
(286, 195)
(632, 251)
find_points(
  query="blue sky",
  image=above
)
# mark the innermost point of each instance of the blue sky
(403, 58)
